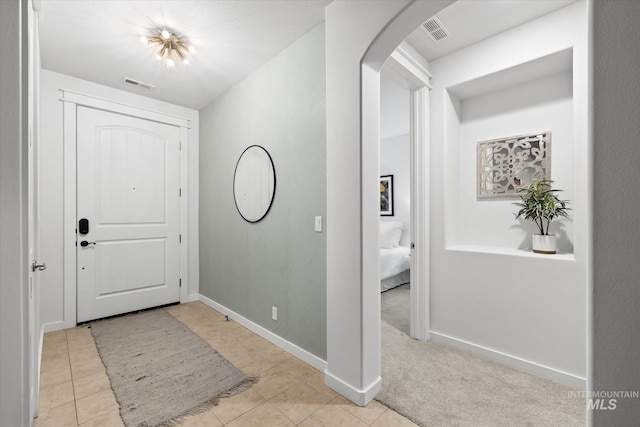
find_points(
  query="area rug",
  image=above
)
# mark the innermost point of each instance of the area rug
(437, 385)
(160, 371)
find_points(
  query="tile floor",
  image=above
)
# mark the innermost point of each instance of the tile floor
(75, 390)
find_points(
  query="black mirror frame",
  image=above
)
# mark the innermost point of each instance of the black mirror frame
(273, 193)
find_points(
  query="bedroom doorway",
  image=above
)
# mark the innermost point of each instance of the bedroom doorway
(395, 200)
(404, 244)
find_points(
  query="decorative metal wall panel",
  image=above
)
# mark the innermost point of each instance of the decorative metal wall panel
(507, 164)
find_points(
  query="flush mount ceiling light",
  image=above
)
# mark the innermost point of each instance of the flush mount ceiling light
(170, 48)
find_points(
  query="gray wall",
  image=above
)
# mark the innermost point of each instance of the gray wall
(616, 348)
(279, 261)
(14, 337)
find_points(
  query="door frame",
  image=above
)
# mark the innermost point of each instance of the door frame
(71, 100)
(416, 78)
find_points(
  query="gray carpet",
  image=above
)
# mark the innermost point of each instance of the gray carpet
(395, 307)
(160, 370)
(437, 385)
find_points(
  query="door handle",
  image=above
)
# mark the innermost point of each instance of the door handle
(84, 243)
(35, 266)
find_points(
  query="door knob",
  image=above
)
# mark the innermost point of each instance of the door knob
(35, 266)
(84, 243)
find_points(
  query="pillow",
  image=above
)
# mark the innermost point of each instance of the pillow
(390, 233)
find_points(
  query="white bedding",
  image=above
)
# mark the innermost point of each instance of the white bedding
(394, 261)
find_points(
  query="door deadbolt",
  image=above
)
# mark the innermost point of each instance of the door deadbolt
(83, 226)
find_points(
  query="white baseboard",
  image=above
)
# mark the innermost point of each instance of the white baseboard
(190, 298)
(287, 346)
(513, 361)
(57, 326)
(359, 397)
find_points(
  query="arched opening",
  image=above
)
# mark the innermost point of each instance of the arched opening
(357, 363)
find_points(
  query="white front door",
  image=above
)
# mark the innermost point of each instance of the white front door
(128, 233)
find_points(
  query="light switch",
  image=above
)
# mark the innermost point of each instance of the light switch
(318, 226)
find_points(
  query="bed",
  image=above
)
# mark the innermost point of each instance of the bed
(395, 260)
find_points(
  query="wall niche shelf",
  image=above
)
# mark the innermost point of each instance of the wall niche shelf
(527, 253)
(528, 98)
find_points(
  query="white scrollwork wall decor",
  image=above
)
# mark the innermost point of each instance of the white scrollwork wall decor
(507, 164)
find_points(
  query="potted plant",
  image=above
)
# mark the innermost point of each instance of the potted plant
(540, 205)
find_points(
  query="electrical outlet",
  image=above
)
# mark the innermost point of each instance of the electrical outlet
(318, 224)
(274, 313)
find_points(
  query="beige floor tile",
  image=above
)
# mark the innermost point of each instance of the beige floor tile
(393, 419)
(81, 344)
(71, 364)
(232, 328)
(112, 419)
(96, 405)
(91, 384)
(263, 415)
(55, 376)
(299, 402)
(55, 337)
(232, 349)
(55, 349)
(192, 320)
(79, 334)
(274, 381)
(84, 367)
(298, 368)
(204, 329)
(61, 416)
(317, 381)
(89, 352)
(255, 364)
(205, 419)
(232, 407)
(54, 363)
(221, 343)
(368, 413)
(204, 309)
(332, 416)
(55, 395)
(184, 314)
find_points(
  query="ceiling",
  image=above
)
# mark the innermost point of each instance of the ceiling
(468, 22)
(471, 21)
(99, 40)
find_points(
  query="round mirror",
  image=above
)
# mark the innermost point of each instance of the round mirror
(254, 183)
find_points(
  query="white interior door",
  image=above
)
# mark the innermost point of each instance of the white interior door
(128, 192)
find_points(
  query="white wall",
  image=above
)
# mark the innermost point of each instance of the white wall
(498, 305)
(52, 293)
(395, 159)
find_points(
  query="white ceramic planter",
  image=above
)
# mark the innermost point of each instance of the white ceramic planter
(544, 244)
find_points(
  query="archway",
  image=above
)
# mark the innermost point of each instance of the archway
(360, 37)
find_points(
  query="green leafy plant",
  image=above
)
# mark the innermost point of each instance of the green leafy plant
(540, 204)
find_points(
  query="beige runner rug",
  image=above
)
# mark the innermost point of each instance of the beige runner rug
(160, 370)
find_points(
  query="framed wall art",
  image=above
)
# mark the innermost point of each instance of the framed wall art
(386, 195)
(507, 164)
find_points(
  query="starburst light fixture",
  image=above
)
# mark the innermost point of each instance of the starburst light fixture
(170, 48)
